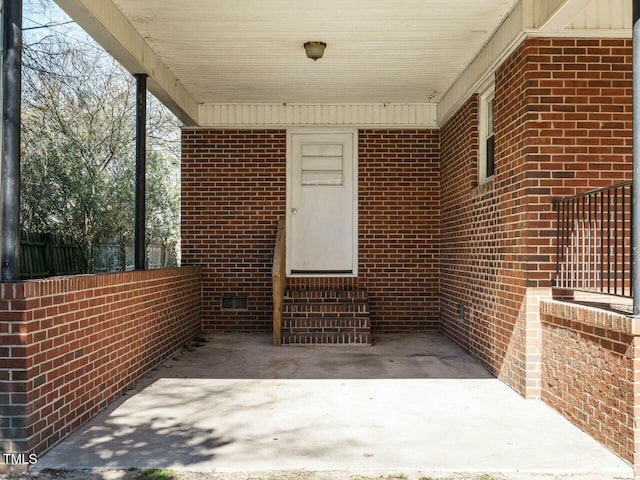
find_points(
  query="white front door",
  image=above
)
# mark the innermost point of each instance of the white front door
(322, 207)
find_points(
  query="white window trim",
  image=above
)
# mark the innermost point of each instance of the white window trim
(486, 96)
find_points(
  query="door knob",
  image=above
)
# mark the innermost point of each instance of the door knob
(294, 210)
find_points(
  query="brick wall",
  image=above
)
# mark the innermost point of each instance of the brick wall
(233, 193)
(562, 126)
(587, 372)
(483, 294)
(70, 345)
(469, 262)
(399, 227)
(579, 116)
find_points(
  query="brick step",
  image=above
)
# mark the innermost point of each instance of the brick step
(331, 324)
(325, 296)
(315, 338)
(314, 309)
(326, 316)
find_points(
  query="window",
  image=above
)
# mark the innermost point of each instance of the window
(486, 158)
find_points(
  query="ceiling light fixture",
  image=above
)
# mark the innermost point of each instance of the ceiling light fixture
(314, 50)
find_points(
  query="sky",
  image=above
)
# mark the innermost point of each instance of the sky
(42, 17)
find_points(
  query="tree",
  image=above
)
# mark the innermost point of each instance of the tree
(78, 145)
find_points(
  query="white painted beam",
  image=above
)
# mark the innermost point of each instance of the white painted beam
(109, 27)
(607, 15)
(364, 115)
(537, 12)
(563, 15)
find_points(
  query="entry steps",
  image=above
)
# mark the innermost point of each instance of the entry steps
(326, 316)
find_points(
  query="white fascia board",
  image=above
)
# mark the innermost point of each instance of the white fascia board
(586, 33)
(109, 27)
(362, 115)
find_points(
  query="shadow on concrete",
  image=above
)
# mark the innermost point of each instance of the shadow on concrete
(131, 441)
(188, 409)
(234, 403)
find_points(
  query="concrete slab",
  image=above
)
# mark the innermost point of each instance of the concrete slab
(409, 403)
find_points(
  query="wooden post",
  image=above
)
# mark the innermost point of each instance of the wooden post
(278, 276)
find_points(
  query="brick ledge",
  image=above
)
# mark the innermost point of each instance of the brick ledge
(615, 322)
(483, 189)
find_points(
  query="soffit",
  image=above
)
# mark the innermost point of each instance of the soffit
(378, 51)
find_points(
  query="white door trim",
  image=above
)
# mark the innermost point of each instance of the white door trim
(354, 166)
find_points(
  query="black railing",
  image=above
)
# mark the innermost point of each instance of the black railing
(593, 249)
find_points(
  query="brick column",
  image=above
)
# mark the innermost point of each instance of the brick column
(636, 396)
(533, 342)
(13, 370)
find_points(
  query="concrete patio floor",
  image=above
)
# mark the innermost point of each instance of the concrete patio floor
(410, 403)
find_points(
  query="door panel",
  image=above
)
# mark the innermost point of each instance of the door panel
(321, 203)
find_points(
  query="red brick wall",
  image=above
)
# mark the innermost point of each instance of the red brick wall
(482, 272)
(233, 192)
(70, 345)
(399, 227)
(579, 116)
(510, 190)
(562, 126)
(587, 372)
(470, 255)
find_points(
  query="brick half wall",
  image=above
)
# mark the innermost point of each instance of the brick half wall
(587, 371)
(71, 345)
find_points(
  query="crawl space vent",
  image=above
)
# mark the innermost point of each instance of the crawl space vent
(234, 303)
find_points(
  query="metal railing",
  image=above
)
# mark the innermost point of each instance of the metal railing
(593, 244)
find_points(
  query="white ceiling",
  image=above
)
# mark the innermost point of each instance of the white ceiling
(378, 51)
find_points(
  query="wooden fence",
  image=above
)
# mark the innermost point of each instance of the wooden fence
(113, 255)
(47, 255)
